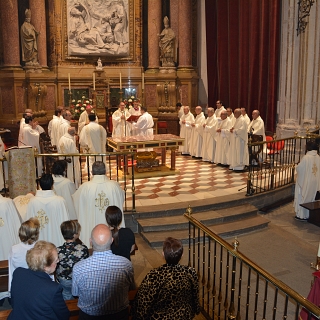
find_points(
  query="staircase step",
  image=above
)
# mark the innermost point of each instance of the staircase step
(208, 218)
(224, 230)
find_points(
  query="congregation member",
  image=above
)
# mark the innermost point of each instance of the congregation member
(63, 187)
(54, 126)
(185, 130)
(67, 145)
(123, 238)
(29, 235)
(84, 117)
(231, 116)
(34, 296)
(120, 126)
(102, 281)
(245, 116)
(30, 137)
(10, 223)
(49, 209)
(197, 133)
(222, 139)
(70, 253)
(65, 124)
(170, 291)
(239, 155)
(93, 197)
(209, 132)
(308, 180)
(144, 125)
(220, 108)
(27, 113)
(93, 138)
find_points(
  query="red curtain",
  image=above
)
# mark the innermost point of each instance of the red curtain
(243, 41)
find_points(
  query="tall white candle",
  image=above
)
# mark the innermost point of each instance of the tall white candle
(142, 86)
(69, 81)
(318, 251)
(94, 81)
(120, 82)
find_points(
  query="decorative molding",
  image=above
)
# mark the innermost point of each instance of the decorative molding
(304, 7)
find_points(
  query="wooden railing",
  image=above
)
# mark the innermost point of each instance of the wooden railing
(234, 287)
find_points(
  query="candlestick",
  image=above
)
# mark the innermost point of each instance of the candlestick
(94, 81)
(142, 86)
(69, 81)
(120, 82)
(319, 250)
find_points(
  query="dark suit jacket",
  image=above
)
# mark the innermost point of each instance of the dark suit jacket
(34, 296)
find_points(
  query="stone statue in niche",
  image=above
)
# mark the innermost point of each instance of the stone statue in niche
(29, 41)
(167, 44)
(99, 65)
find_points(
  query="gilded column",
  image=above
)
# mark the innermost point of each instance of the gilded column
(38, 19)
(154, 28)
(10, 33)
(185, 34)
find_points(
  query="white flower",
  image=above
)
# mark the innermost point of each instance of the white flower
(79, 101)
(132, 97)
(73, 100)
(77, 105)
(87, 101)
(90, 100)
(83, 97)
(92, 111)
(82, 109)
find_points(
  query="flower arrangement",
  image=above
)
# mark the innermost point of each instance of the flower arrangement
(129, 102)
(78, 107)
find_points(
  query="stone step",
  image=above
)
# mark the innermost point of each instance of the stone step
(211, 217)
(224, 230)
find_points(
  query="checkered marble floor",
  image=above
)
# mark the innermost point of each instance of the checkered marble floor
(197, 180)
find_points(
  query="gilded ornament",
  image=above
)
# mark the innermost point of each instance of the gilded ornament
(43, 219)
(102, 202)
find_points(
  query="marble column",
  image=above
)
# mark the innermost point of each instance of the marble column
(38, 19)
(154, 28)
(10, 33)
(174, 13)
(185, 34)
(299, 84)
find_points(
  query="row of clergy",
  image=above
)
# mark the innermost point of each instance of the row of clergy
(220, 138)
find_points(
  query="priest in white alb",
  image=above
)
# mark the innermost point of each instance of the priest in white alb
(186, 122)
(197, 133)
(239, 156)
(84, 117)
(308, 180)
(93, 198)
(93, 139)
(231, 116)
(65, 123)
(120, 126)
(222, 139)
(54, 126)
(67, 145)
(49, 209)
(209, 132)
(144, 125)
(245, 116)
(220, 108)
(63, 187)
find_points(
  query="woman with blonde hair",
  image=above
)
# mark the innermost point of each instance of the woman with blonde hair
(29, 235)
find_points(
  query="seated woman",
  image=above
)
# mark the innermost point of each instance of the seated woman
(34, 296)
(28, 234)
(123, 238)
(170, 291)
(69, 254)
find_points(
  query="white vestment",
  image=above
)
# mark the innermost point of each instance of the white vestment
(22, 124)
(91, 201)
(21, 203)
(222, 141)
(247, 119)
(134, 112)
(120, 127)
(64, 126)
(30, 137)
(51, 211)
(144, 125)
(258, 127)
(5, 166)
(209, 143)
(232, 119)
(83, 120)
(185, 132)
(67, 145)
(54, 129)
(180, 113)
(308, 182)
(196, 135)
(64, 188)
(218, 112)
(238, 154)
(9, 226)
(94, 137)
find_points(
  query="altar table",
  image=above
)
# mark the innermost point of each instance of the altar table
(163, 141)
